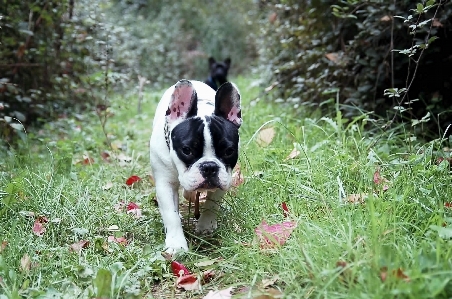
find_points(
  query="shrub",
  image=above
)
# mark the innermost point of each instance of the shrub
(318, 46)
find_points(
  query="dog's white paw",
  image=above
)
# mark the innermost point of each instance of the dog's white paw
(173, 245)
(207, 223)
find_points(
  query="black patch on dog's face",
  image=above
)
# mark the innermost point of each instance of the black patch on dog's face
(225, 139)
(188, 140)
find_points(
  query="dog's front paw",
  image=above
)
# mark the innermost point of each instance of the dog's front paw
(173, 246)
(206, 224)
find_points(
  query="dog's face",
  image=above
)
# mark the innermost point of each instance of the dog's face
(204, 148)
(219, 69)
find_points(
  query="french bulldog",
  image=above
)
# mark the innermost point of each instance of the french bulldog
(218, 72)
(195, 145)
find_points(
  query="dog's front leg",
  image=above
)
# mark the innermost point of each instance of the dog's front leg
(168, 201)
(207, 223)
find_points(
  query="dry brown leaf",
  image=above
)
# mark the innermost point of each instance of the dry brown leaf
(25, 263)
(77, 247)
(107, 186)
(237, 176)
(3, 245)
(269, 88)
(270, 281)
(334, 57)
(386, 18)
(265, 136)
(436, 23)
(356, 198)
(293, 154)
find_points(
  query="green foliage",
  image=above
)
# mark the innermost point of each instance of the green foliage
(164, 41)
(361, 48)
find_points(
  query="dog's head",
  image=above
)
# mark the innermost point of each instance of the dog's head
(204, 148)
(219, 69)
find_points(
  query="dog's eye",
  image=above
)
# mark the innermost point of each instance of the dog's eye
(186, 150)
(229, 152)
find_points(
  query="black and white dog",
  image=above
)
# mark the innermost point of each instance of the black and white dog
(218, 72)
(194, 144)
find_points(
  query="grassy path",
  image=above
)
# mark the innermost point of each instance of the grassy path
(372, 221)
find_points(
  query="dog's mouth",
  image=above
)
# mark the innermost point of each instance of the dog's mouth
(209, 185)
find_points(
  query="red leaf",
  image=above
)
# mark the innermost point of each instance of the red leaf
(77, 247)
(134, 209)
(188, 282)
(105, 156)
(399, 274)
(132, 180)
(88, 161)
(132, 206)
(285, 209)
(38, 228)
(271, 236)
(377, 177)
(448, 204)
(177, 267)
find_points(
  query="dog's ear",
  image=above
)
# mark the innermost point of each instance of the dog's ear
(183, 103)
(227, 61)
(211, 61)
(227, 103)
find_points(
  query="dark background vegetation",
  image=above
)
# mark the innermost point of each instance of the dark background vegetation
(62, 56)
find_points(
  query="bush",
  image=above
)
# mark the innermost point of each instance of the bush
(317, 47)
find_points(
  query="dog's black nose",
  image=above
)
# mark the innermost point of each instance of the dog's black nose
(209, 169)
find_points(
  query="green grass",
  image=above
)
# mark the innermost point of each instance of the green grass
(406, 227)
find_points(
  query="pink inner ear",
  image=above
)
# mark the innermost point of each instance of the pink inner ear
(181, 101)
(235, 116)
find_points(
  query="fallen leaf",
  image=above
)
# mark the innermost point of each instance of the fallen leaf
(134, 209)
(38, 227)
(119, 206)
(188, 282)
(25, 263)
(436, 23)
(105, 156)
(237, 176)
(398, 273)
(113, 228)
(356, 198)
(270, 281)
(179, 269)
(285, 210)
(117, 145)
(77, 247)
(107, 186)
(334, 57)
(87, 160)
(448, 204)
(378, 179)
(3, 245)
(265, 136)
(274, 235)
(132, 180)
(293, 154)
(206, 263)
(222, 294)
(386, 18)
(120, 240)
(441, 159)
